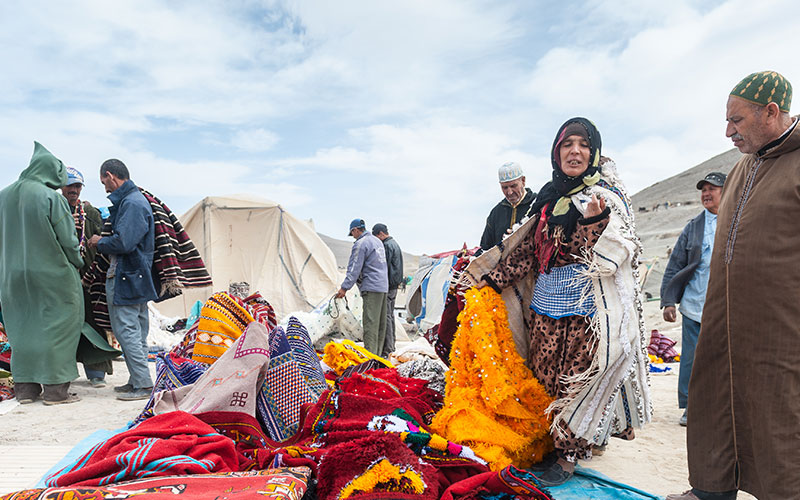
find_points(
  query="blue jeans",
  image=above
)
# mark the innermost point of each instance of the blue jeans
(691, 332)
(130, 325)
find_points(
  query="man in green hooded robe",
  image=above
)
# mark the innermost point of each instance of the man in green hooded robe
(39, 284)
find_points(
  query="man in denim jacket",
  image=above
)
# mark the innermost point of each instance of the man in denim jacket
(129, 282)
(686, 277)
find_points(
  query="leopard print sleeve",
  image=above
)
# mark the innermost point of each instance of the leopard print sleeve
(515, 266)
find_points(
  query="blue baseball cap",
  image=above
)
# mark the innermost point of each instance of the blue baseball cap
(357, 223)
(74, 177)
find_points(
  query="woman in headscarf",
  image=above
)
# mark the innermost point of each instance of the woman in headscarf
(587, 341)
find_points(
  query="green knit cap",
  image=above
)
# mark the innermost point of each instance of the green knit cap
(765, 87)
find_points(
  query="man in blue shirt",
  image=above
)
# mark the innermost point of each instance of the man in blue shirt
(686, 277)
(367, 268)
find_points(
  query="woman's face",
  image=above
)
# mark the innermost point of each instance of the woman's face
(574, 152)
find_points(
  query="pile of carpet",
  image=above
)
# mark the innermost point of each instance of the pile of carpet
(243, 408)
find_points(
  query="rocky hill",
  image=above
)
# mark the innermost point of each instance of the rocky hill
(663, 209)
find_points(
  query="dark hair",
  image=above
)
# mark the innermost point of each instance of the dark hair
(115, 167)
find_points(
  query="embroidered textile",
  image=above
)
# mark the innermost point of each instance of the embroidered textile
(288, 384)
(222, 320)
(287, 483)
(493, 404)
(230, 384)
(563, 291)
(171, 372)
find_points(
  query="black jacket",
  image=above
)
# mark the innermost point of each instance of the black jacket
(502, 217)
(683, 261)
(394, 262)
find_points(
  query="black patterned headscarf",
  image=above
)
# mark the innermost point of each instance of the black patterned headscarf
(555, 195)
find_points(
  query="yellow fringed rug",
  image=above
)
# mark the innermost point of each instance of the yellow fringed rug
(342, 354)
(493, 403)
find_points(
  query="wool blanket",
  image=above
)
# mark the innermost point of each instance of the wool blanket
(662, 347)
(510, 483)
(175, 443)
(176, 262)
(340, 355)
(288, 483)
(375, 466)
(493, 403)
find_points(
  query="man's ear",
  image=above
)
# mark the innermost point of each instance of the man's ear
(773, 110)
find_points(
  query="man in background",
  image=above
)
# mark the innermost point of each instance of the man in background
(394, 263)
(367, 267)
(686, 277)
(511, 209)
(88, 222)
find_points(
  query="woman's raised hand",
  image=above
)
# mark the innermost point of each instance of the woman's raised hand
(481, 284)
(594, 207)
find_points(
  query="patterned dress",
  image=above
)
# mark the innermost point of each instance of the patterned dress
(559, 347)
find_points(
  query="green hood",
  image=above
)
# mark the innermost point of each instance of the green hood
(45, 168)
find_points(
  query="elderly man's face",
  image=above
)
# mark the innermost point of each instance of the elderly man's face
(72, 193)
(710, 196)
(514, 190)
(747, 125)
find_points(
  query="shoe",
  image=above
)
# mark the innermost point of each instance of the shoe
(25, 401)
(71, 398)
(597, 451)
(136, 394)
(556, 475)
(97, 383)
(123, 388)
(683, 422)
(686, 495)
(545, 464)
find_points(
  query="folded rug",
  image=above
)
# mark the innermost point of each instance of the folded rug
(165, 445)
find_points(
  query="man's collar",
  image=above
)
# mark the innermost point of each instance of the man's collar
(764, 150)
(121, 192)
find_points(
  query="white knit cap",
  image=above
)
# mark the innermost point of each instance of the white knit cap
(510, 171)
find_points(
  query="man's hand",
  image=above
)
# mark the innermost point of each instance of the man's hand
(594, 207)
(670, 314)
(481, 284)
(92, 243)
(341, 293)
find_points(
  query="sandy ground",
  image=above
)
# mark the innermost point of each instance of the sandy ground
(34, 437)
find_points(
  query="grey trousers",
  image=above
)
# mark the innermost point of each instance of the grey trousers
(130, 325)
(388, 343)
(374, 321)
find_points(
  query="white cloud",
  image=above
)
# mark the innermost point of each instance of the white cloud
(257, 140)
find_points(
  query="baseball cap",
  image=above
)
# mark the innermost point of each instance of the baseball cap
(356, 223)
(380, 228)
(713, 178)
(74, 177)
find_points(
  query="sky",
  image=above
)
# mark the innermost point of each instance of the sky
(394, 112)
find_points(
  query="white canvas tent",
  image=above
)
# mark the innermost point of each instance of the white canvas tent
(245, 238)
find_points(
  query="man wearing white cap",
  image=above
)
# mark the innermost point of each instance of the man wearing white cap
(511, 209)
